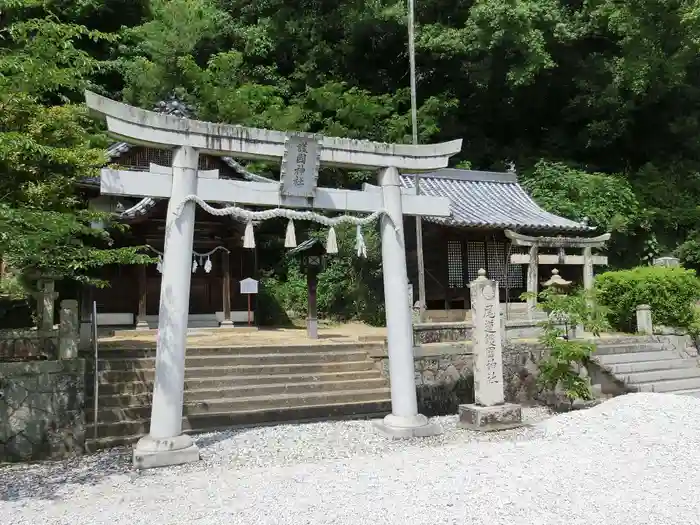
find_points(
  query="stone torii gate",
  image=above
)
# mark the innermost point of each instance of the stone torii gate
(533, 259)
(301, 156)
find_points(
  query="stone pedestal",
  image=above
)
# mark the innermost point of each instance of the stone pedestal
(151, 452)
(489, 412)
(487, 419)
(403, 428)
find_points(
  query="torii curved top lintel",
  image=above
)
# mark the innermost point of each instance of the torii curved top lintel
(518, 239)
(147, 128)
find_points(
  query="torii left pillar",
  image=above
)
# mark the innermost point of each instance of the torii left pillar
(166, 444)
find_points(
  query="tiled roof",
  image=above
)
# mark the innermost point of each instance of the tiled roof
(488, 200)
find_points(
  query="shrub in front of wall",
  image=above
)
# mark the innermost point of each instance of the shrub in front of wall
(671, 293)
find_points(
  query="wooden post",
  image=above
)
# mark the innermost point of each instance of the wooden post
(226, 289)
(312, 316)
(141, 323)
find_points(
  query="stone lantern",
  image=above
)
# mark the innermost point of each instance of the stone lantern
(313, 260)
(560, 286)
(557, 283)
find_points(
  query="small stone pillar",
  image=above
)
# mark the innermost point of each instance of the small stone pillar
(45, 297)
(532, 281)
(489, 411)
(644, 324)
(68, 333)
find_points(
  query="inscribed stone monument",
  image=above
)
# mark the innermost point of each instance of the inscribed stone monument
(489, 411)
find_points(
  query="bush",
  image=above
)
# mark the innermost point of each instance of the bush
(671, 293)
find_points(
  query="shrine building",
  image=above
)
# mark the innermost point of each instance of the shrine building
(495, 225)
(218, 266)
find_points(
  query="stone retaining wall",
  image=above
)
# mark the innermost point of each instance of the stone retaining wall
(28, 344)
(42, 409)
(443, 374)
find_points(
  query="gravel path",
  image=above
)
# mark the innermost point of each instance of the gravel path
(633, 460)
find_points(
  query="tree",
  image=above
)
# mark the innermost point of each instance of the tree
(48, 145)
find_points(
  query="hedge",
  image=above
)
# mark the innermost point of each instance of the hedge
(671, 292)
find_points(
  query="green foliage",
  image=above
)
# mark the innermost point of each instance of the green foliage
(606, 92)
(606, 200)
(671, 293)
(559, 367)
(48, 144)
(349, 287)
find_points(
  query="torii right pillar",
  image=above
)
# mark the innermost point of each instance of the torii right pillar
(404, 421)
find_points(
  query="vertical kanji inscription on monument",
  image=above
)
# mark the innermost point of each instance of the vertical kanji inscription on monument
(488, 363)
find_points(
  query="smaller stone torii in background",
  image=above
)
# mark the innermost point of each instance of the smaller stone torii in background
(301, 155)
(533, 259)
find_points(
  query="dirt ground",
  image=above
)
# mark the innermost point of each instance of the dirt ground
(244, 336)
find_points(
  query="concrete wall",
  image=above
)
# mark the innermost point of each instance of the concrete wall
(42, 409)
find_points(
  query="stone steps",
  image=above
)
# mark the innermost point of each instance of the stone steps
(116, 376)
(692, 393)
(127, 432)
(114, 414)
(226, 382)
(635, 357)
(193, 396)
(228, 361)
(691, 383)
(110, 352)
(627, 348)
(648, 366)
(238, 387)
(661, 375)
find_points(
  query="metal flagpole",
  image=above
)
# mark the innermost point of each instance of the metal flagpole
(414, 126)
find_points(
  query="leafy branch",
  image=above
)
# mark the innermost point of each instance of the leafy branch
(560, 367)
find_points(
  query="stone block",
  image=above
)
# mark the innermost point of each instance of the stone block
(491, 418)
(396, 427)
(151, 453)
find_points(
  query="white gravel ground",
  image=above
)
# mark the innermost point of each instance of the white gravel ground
(633, 460)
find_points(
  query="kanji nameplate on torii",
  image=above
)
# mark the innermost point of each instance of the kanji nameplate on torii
(300, 165)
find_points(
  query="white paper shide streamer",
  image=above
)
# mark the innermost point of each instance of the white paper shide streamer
(199, 260)
(290, 239)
